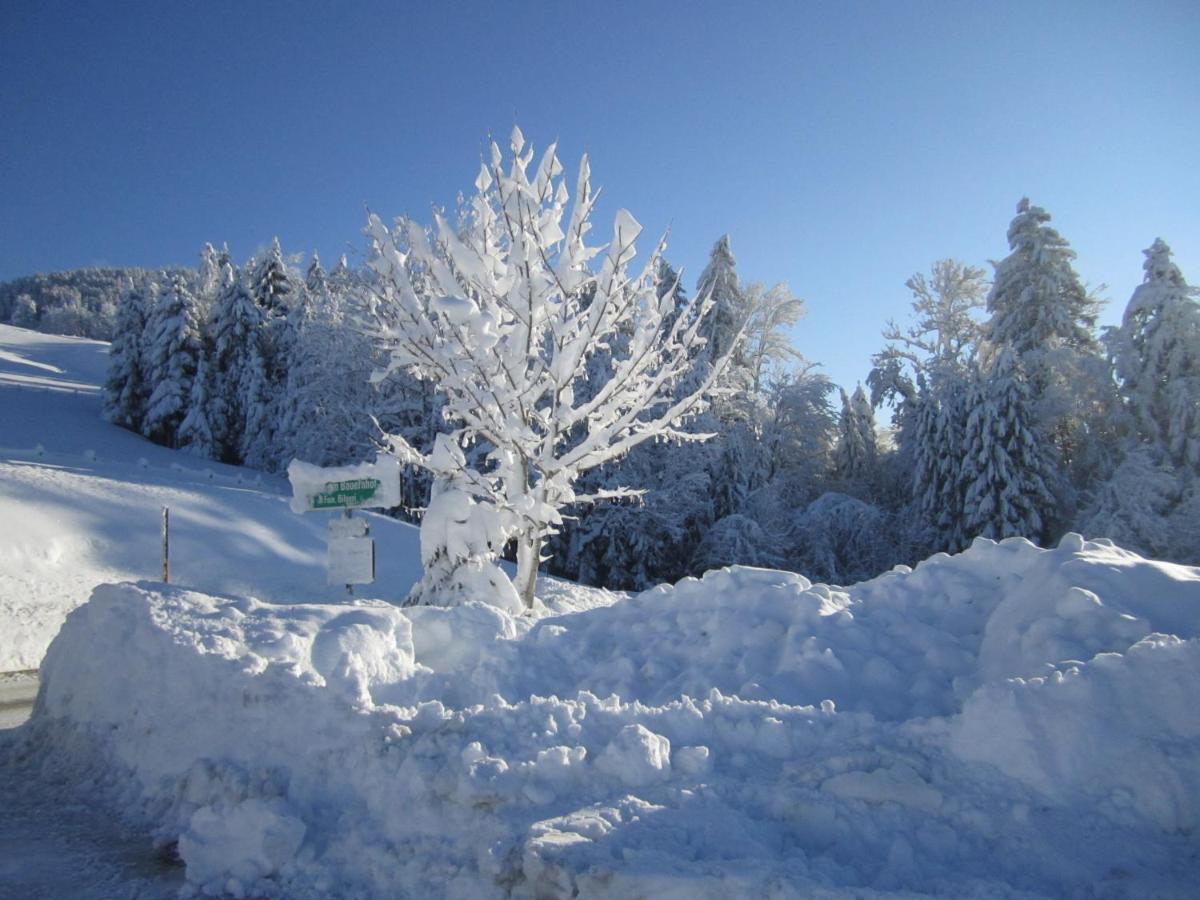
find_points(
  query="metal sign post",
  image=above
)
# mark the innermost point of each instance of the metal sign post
(370, 485)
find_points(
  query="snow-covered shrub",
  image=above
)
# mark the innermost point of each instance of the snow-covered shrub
(461, 535)
(839, 539)
(735, 541)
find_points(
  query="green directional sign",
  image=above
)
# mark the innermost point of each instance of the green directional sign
(346, 494)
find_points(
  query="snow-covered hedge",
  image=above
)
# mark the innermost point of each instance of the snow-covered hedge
(1005, 722)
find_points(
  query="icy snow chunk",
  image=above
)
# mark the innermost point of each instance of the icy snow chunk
(899, 784)
(692, 760)
(637, 756)
(248, 841)
(363, 647)
(557, 763)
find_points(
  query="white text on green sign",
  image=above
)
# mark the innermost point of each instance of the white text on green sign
(340, 494)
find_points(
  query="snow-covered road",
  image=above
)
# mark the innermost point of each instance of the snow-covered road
(55, 846)
(17, 693)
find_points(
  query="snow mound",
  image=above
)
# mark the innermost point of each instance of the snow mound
(1009, 721)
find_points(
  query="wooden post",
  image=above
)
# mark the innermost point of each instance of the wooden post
(166, 538)
(348, 514)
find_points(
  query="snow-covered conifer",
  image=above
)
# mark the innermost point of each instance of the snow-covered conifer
(127, 388)
(1005, 472)
(1037, 302)
(256, 442)
(857, 451)
(1158, 359)
(505, 313)
(719, 280)
(174, 354)
(195, 431)
(1041, 309)
(237, 324)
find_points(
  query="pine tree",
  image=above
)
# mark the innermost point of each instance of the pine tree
(174, 355)
(1158, 359)
(1004, 469)
(127, 389)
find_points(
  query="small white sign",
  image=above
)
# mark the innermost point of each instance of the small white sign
(351, 560)
(346, 528)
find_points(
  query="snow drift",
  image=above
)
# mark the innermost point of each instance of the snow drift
(1005, 722)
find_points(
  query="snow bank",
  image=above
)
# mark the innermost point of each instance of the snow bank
(1005, 722)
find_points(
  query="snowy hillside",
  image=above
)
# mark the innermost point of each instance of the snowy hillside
(1006, 722)
(81, 503)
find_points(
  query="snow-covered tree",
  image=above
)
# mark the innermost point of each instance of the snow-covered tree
(1005, 472)
(735, 540)
(461, 536)
(1132, 507)
(921, 372)
(25, 312)
(943, 333)
(719, 281)
(195, 431)
(1158, 359)
(1041, 309)
(939, 475)
(857, 452)
(174, 353)
(326, 401)
(839, 539)
(504, 315)
(256, 443)
(1037, 302)
(127, 387)
(237, 327)
(770, 312)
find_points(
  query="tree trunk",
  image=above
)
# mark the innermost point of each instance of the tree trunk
(529, 552)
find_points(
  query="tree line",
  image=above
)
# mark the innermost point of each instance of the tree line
(1010, 415)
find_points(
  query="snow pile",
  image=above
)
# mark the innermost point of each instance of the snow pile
(1005, 722)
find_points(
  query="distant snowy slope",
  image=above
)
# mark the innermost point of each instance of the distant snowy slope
(81, 501)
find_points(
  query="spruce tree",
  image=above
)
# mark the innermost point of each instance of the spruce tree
(1005, 472)
(195, 431)
(1041, 309)
(1037, 302)
(237, 336)
(720, 281)
(127, 388)
(174, 355)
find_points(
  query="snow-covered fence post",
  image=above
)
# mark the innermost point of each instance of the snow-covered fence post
(554, 368)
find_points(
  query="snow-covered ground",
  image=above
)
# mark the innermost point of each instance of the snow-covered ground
(1009, 721)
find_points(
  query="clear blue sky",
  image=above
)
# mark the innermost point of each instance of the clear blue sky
(842, 146)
